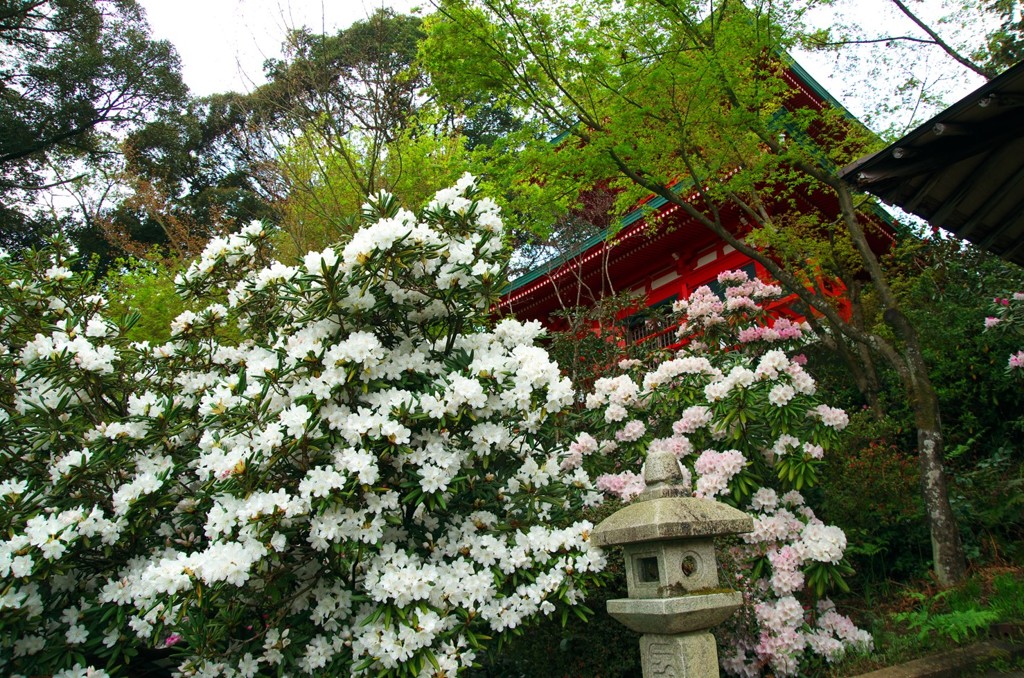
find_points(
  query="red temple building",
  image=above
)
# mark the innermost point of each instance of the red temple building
(659, 264)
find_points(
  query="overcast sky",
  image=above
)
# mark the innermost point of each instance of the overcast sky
(223, 43)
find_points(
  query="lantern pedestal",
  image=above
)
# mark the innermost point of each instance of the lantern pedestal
(684, 655)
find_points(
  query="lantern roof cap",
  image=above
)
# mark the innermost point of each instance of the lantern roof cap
(668, 518)
(667, 510)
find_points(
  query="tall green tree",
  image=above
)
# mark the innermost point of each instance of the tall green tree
(691, 101)
(1006, 44)
(188, 177)
(303, 150)
(342, 116)
(71, 73)
(326, 191)
(331, 107)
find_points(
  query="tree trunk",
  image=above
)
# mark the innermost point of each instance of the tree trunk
(947, 552)
(949, 563)
(869, 373)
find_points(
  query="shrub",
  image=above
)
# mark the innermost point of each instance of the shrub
(989, 496)
(367, 483)
(872, 491)
(1008, 315)
(746, 424)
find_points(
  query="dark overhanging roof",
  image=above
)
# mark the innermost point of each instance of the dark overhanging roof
(963, 170)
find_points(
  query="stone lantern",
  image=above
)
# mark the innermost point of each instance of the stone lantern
(667, 537)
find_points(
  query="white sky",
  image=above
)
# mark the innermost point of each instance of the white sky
(223, 43)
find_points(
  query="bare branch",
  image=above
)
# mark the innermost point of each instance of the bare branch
(959, 58)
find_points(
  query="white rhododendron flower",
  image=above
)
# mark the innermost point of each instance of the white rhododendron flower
(346, 464)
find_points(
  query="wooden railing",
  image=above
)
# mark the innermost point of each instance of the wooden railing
(654, 333)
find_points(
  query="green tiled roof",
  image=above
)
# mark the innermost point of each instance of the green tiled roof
(654, 202)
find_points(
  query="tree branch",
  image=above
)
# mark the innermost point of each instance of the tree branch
(959, 58)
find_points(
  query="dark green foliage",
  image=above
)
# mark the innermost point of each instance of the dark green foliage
(1005, 44)
(73, 71)
(360, 76)
(599, 647)
(870, 488)
(871, 491)
(191, 177)
(982, 408)
(223, 160)
(487, 122)
(949, 290)
(988, 497)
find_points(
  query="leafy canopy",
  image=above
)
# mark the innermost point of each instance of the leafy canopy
(71, 72)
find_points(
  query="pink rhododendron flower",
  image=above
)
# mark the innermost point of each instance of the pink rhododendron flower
(832, 416)
(694, 418)
(716, 469)
(633, 430)
(708, 396)
(781, 394)
(625, 485)
(786, 575)
(765, 499)
(680, 446)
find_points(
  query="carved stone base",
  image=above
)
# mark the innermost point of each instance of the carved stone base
(686, 655)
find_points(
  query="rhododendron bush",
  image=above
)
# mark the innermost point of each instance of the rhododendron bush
(745, 422)
(367, 483)
(1009, 317)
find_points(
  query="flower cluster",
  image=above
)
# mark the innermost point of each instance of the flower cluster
(1008, 316)
(740, 318)
(369, 481)
(748, 429)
